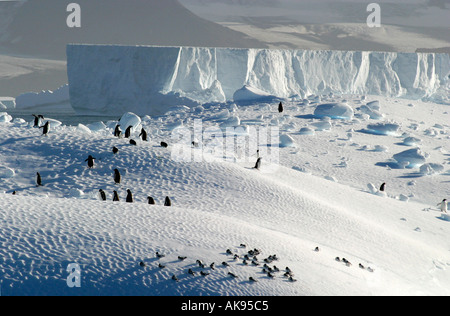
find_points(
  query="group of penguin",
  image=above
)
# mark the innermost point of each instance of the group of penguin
(90, 162)
(250, 256)
(348, 263)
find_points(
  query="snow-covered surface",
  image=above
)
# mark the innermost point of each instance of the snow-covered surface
(324, 194)
(147, 79)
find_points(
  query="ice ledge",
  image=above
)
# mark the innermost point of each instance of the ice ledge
(148, 79)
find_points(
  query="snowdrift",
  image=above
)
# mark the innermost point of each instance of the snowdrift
(147, 79)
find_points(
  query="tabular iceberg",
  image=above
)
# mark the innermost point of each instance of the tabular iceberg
(107, 79)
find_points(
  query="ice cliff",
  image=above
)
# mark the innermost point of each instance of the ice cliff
(105, 79)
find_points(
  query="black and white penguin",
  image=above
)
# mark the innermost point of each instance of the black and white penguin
(257, 164)
(102, 194)
(117, 131)
(191, 272)
(204, 273)
(37, 119)
(251, 279)
(161, 266)
(115, 150)
(164, 144)
(212, 266)
(280, 107)
(46, 128)
(150, 200)
(143, 134)
(159, 255)
(115, 197)
(382, 187)
(116, 176)
(38, 179)
(133, 142)
(167, 202)
(181, 258)
(129, 196)
(128, 131)
(174, 277)
(232, 274)
(90, 161)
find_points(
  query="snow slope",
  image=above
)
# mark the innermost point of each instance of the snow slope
(316, 197)
(145, 79)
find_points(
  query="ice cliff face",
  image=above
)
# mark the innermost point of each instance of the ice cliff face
(148, 79)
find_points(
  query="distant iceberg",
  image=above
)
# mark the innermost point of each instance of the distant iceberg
(146, 80)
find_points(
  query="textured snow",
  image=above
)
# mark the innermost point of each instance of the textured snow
(147, 79)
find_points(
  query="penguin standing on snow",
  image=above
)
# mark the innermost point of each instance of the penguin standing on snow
(133, 142)
(102, 194)
(115, 150)
(167, 202)
(37, 119)
(90, 161)
(115, 197)
(129, 196)
(143, 134)
(46, 128)
(128, 131)
(443, 205)
(117, 131)
(150, 200)
(280, 107)
(382, 187)
(38, 179)
(258, 163)
(116, 176)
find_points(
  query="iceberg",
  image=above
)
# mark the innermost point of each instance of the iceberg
(146, 80)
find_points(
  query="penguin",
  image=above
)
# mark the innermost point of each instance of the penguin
(195, 144)
(117, 131)
(38, 179)
(161, 266)
(204, 273)
(128, 131)
(382, 187)
(150, 200)
(212, 265)
(102, 194)
(191, 272)
(159, 255)
(257, 164)
(133, 142)
(225, 264)
(181, 258)
(361, 266)
(116, 176)
(443, 205)
(316, 249)
(142, 264)
(129, 196)
(143, 134)
(232, 275)
(164, 144)
(45, 127)
(167, 202)
(115, 150)
(251, 279)
(280, 107)
(37, 119)
(90, 161)
(174, 277)
(14, 193)
(115, 197)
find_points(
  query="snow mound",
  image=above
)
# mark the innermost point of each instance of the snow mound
(334, 111)
(130, 119)
(287, 141)
(5, 117)
(307, 131)
(383, 129)
(411, 141)
(431, 168)
(411, 158)
(251, 94)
